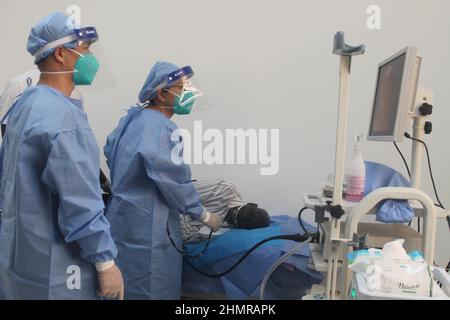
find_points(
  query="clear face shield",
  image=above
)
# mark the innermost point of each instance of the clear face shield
(104, 76)
(188, 95)
(92, 65)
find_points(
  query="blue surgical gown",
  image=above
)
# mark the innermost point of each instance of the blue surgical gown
(149, 191)
(53, 228)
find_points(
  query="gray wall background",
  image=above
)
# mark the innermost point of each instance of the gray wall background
(264, 64)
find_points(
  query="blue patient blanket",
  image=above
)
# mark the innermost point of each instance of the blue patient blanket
(244, 281)
(389, 211)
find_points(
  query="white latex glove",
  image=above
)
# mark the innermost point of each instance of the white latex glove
(212, 220)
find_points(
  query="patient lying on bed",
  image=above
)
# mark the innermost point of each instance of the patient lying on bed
(221, 197)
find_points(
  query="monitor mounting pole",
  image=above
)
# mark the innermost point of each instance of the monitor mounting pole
(345, 52)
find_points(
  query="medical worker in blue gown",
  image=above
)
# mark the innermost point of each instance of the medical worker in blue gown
(151, 187)
(55, 242)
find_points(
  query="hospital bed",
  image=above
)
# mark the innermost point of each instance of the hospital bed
(291, 280)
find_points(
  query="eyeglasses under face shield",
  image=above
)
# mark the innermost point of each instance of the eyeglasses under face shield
(189, 93)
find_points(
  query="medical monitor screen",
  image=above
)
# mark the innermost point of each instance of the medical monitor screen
(387, 97)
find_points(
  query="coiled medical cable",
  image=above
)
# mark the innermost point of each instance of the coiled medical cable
(277, 264)
(293, 237)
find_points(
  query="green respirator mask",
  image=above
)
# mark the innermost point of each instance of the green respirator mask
(86, 69)
(183, 103)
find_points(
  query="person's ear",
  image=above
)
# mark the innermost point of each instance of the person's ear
(60, 54)
(161, 95)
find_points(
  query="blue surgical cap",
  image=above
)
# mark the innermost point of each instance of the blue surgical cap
(157, 75)
(49, 29)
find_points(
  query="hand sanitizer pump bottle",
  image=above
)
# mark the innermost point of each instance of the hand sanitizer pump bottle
(356, 174)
